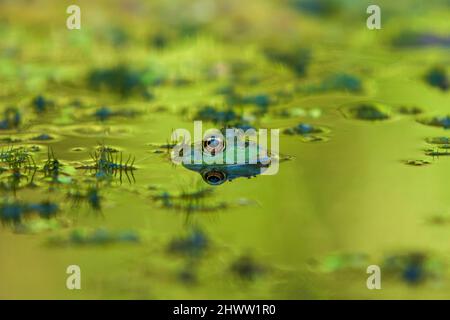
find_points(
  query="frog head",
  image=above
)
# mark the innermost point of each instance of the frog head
(216, 162)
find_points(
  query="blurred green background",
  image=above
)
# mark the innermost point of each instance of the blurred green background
(363, 115)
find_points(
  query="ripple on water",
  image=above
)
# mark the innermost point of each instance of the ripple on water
(308, 132)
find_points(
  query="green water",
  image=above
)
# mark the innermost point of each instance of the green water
(351, 193)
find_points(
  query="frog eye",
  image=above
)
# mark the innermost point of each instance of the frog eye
(213, 144)
(214, 177)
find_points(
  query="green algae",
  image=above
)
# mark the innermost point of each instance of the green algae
(133, 76)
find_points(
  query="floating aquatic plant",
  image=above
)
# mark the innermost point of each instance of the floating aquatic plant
(411, 39)
(189, 205)
(209, 113)
(442, 144)
(416, 162)
(52, 166)
(413, 267)
(198, 193)
(19, 163)
(122, 80)
(195, 243)
(439, 219)
(337, 262)
(188, 274)
(12, 119)
(107, 164)
(337, 82)
(409, 110)
(42, 137)
(41, 104)
(438, 121)
(368, 112)
(225, 118)
(36, 226)
(101, 236)
(159, 40)
(18, 179)
(438, 152)
(438, 140)
(437, 77)
(10, 139)
(247, 268)
(303, 129)
(296, 59)
(116, 36)
(162, 147)
(105, 113)
(299, 112)
(91, 196)
(342, 82)
(15, 211)
(308, 132)
(190, 201)
(16, 157)
(317, 7)
(55, 170)
(262, 101)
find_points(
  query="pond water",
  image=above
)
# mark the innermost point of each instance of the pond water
(363, 190)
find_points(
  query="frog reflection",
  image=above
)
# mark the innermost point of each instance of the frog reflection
(245, 159)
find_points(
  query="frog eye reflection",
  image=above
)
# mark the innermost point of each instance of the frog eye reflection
(213, 144)
(214, 177)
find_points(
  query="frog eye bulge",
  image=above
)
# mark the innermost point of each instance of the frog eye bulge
(213, 145)
(214, 177)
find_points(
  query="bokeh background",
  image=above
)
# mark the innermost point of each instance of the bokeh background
(363, 115)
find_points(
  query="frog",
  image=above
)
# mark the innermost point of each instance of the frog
(217, 172)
